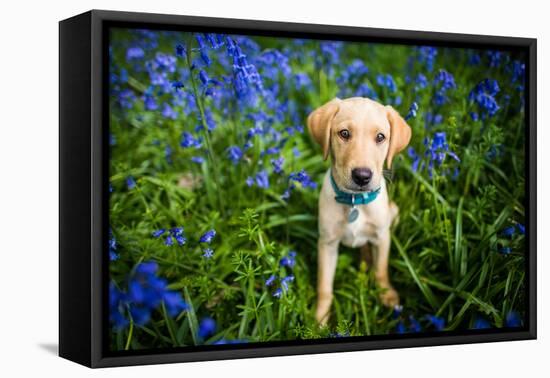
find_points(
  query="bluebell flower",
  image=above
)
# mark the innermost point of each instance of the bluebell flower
(197, 159)
(483, 95)
(168, 241)
(286, 281)
(168, 154)
(412, 111)
(289, 260)
(249, 181)
(278, 164)
(246, 80)
(443, 82)
(140, 315)
(270, 280)
(146, 291)
(495, 58)
(303, 178)
(415, 158)
(158, 233)
(134, 53)
(175, 233)
(169, 112)
(521, 228)
(437, 150)
(474, 59)
(215, 40)
(400, 327)
(505, 250)
(208, 236)
(414, 325)
(436, 321)
(421, 81)
(113, 255)
(189, 141)
(364, 90)
(181, 51)
(207, 327)
(386, 81)
(513, 319)
(518, 72)
(126, 98)
(426, 55)
(262, 179)
(174, 303)
(150, 102)
(209, 120)
(203, 77)
(509, 231)
(208, 253)
(130, 183)
(235, 154)
(177, 85)
(302, 80)
(117, 307)
(278, 293)
(481, 323)
(295, 151)
(474, 116)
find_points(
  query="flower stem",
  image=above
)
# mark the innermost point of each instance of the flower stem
(200, 105)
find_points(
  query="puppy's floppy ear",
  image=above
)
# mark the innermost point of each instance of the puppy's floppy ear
(318, 123)
(400, 134)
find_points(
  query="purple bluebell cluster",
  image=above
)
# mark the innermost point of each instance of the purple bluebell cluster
(288, 261)
(426, 56)
(261, 180)
(300, 177)
(387, 81)
(207, 327)
(130, 182)
(443, 82)
(412, 111)
(208, 236)
(172, 234)
(437, 322)
(483, 95)
(235, 154)
(113, 254)
(190, 141)
(144, 294)
(437, 149)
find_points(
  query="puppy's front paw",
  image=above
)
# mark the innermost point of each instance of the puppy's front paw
(389, 297)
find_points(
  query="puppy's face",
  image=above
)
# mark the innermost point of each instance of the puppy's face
(359, 134)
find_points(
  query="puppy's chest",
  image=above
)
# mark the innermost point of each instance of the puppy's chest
(361, 231)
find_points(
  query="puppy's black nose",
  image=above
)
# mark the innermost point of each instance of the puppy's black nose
(361, 176)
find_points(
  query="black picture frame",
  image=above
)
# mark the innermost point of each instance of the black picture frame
(83, 181)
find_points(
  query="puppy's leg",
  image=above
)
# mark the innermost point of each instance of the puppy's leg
(389, 296)
(326, 267)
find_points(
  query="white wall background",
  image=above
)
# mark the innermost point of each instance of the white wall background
(29, 186)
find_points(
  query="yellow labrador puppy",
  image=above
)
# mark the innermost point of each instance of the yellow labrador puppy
(354, 209)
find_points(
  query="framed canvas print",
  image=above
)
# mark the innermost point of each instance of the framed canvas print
(233, 188)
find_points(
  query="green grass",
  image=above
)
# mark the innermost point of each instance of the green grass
(445, 258)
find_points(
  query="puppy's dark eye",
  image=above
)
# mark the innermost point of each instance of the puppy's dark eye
(380, 138)
(345, 134)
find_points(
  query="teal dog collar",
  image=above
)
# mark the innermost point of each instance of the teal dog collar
(353, 199)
